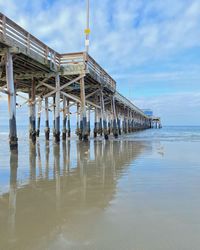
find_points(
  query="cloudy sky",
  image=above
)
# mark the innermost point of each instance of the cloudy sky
(151, 48)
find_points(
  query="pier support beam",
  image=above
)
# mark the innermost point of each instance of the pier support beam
(105, 130)
(57, 110)
(115, 130)
(84, 132)
(47, 129)
(11, 103)
(64, 131)
(32, 115)
(39, 117)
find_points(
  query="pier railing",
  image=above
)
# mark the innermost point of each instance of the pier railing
(83, 59)
(14, 35)
(128, 103)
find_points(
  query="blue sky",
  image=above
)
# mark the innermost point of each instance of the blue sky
(151, 48)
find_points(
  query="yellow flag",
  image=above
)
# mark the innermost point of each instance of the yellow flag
(87, 31)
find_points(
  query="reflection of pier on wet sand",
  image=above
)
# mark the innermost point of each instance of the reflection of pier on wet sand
(62, 192)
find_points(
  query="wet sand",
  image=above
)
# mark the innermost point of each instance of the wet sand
(133, 193)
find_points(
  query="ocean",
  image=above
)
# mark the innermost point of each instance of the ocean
(137, 192)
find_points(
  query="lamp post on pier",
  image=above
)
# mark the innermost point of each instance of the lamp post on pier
(87, 30)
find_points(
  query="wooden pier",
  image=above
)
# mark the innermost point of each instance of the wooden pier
(56, 82)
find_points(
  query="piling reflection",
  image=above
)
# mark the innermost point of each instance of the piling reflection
(12, 196)
(67, 185)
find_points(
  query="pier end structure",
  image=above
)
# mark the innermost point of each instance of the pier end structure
(55, 82)
(155, 122)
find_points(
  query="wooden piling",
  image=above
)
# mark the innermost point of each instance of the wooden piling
(39, 117)
(57, 110)
(47, 129)
(105, 130)
(64, 131)
(100, 127)
(54, 116)
(68, 120)
(115, 130)
(78, 122)
(109, 124)
(83, 122)
(132, 122)
(32, 113)
(88, 121)
(13, 140)
(129, 121)
(95, 122)
(118, 120)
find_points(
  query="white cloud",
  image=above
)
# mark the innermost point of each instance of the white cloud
(129, 31)
(174, 109)
(126, 35)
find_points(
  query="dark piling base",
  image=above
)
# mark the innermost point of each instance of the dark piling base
(47, 132)
(85, 138)
(64, 135)
(38, 133)
(57, 137)
(116, 135)
(32, 136)
(13, 143)
(95, 133)
(106, 137)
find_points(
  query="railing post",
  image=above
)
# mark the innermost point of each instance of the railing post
(11, 102)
